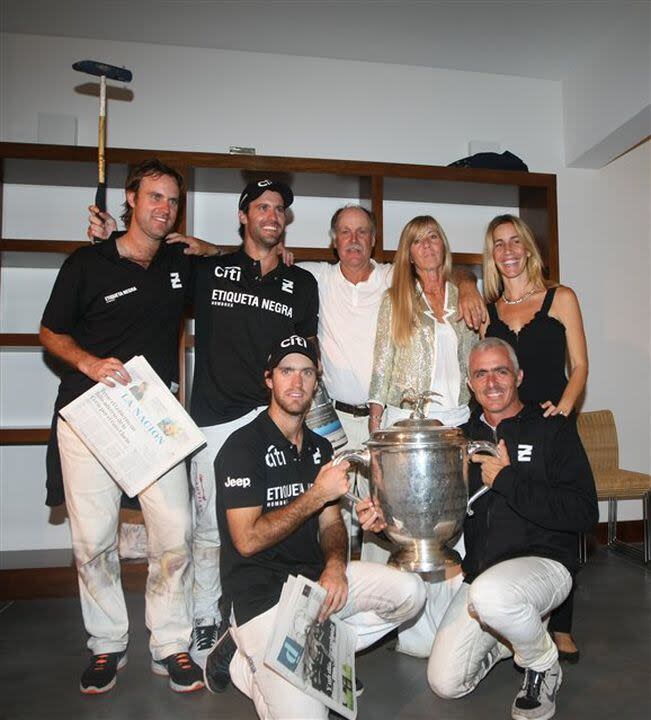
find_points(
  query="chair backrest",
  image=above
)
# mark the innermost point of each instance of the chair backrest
(599, 437)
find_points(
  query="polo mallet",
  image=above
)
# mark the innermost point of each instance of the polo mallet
(103, 71)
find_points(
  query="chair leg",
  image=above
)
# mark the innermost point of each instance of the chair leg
(646, 514)
(583, 548)
(612, 520)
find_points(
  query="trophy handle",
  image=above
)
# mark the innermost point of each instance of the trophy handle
(479, 446)
(361, 456)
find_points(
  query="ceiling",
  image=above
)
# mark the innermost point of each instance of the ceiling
(530, 38)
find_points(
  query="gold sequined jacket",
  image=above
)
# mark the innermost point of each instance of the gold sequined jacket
(396, 368)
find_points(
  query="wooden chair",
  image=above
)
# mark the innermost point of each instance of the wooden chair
(599, 436)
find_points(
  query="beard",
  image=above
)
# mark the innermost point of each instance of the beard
(293, 407)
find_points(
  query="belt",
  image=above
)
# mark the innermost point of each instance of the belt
(354, 410)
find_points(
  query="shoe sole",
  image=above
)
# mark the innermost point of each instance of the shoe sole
(161, 671)
(92, 690)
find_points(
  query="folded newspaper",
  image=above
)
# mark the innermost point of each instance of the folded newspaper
(318, 658)
(137, 432)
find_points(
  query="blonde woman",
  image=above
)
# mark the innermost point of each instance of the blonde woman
(543, 324)
(420, 345)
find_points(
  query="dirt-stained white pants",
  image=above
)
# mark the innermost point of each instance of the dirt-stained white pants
(93, 504)
(379, 600)
(504, 608)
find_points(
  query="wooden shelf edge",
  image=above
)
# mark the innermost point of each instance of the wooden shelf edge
(64, 247)
(19, 340)
(24, 436)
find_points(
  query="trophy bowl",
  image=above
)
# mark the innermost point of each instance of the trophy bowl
(419, 480)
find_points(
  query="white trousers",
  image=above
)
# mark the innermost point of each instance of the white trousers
(205, 533)
(356, 429)
(379, 600)
(93, 504)
(501, 613)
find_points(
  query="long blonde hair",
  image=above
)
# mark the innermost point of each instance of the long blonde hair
(405, 296)
(493, 285)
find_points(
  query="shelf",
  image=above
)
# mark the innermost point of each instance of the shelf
(24, 436)
(19, 341)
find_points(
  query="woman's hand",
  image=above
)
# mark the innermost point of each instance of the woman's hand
(286, 255)
(374, 416)
(561, 409)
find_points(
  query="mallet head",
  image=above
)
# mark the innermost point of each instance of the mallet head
(93, 67)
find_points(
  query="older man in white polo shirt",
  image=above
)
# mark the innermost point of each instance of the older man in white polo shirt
(350, 292)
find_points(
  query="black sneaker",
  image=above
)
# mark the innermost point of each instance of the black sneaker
(184, 673)
(216, 675)
(100, 676)
(204, 639)
(537, 697)
(359, 687)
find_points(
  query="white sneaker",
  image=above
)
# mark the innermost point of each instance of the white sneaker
(537, 697)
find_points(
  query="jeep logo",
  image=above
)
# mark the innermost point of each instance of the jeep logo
(242, 482)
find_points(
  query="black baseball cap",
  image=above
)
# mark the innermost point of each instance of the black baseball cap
(292, 344)
(254, 189)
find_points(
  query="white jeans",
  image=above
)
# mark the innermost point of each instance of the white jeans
(379, 599)
(93, 503)
(501, 612)
(205, 533)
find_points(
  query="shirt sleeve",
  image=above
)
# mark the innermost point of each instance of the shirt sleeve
(308, 324)
(240, 475)
(64, 309)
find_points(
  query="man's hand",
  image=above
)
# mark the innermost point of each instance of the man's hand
(332, 481)
(370, 515)
(105, 370)
(194, 246)
(285, 254)
(101, 224)
(490, 465)
(334, 580)
(471, 305)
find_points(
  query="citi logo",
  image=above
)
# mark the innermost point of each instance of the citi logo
(230, 272)
(293, 340)
(524, 453)
(175, 279)
(288, 286)
(241, 482)
(274, 457)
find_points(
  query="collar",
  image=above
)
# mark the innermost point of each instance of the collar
(373, 274)
(447, 309)
(273, 435)
(252, 268)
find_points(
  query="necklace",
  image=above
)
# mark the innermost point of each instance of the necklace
(519, 300)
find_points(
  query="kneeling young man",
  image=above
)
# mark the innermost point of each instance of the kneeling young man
(278, 515)
(521, 541)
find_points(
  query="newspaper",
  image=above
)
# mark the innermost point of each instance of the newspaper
(318, 658)
(137, 432)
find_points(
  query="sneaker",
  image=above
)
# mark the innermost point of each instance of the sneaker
(184, 673)
(359, 687)
(537, 697)
(204, 638)
(100, 676)
(216, 674)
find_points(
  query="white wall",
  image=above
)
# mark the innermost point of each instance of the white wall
(197, 99)
(607, 99)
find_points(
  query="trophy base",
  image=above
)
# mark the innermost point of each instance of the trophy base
(424, 556)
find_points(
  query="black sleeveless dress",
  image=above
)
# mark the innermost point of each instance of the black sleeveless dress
(540, 347)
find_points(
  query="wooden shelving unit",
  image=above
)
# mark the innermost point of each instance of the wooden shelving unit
(376, 184)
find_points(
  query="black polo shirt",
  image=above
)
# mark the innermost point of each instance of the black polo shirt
(113, 307)
(239, 314)
(258, 467)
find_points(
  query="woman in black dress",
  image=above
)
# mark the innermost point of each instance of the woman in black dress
(543, 324)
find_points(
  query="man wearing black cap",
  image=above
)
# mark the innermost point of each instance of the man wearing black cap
(278, 516)
(243, 301)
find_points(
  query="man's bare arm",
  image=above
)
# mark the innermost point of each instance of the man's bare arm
(253, 531)
(105, 370)
(334, 543)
